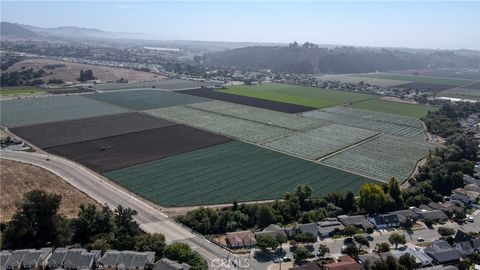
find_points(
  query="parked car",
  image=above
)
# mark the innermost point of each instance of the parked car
(420, 239)
(277, 260)
(286, 259)
(470, 219)
(343, 249)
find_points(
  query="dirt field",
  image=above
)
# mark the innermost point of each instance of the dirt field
(249, 101)
(18, 178)
(71, 71)
(116, 152)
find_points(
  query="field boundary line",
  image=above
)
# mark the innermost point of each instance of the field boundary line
(371, 138)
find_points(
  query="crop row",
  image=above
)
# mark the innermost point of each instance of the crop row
(381, 158)
(322, 141)
(228, 172)
(279, 119)
(233, 127)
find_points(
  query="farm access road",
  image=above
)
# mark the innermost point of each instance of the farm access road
(151, 220)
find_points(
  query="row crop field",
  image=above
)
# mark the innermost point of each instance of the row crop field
(462, 93)
(165, 85)
(29, 111)
(418, 78)
(20, 91)
(146, 99)
(316, 143)
(381, 158)
(391, 107)
(230, 172)
(295, 94)
(264, 116)
(352, 78)
(74, 131)
(432, 87)
(112, 153)
(221, 124)
(249, 101)
(381, 122)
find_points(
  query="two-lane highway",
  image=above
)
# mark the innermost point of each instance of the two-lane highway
(151, 220)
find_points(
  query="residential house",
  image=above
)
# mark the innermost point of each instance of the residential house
(462, 195)
(126, 260)
(358, 221)
(344, 263)
(307, 266)
(406, 215)
(272, 230)
(421, 259)
(35, 259)
(166, 264)
(4, 255)
(330, 227)
(242, 239)
(476, 244)
(308, 228)
(450, 208)
(385, 221)
(56, 259)
(464, 243)
(441, 267)
(367, 259)
(433, 215)
(442, 253)
(80, 258)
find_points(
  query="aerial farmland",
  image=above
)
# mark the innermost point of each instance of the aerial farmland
(185, 147)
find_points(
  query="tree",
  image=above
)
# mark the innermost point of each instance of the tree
(350, 230)
(352, 250)
(407, 261)
(300, 255)
(264, 215)
(361, 240)
(125, 228)
(281, 239)
(36, 223)
(266, 241)
(383, 247)
(151, 242)
(372, 198)
(395, 192)
(303, 193)
(323, 250)
(90, 223)
(446, 232)
(396, 239)
(182, 253)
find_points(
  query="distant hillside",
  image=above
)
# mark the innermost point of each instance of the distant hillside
(339, 60)
(14, 31)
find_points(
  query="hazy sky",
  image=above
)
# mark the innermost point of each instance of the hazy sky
(425, 24)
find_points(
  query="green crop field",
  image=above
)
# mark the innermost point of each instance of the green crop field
(28, 111)
(300, 95)
(146, 99)
(165, 84)
(387, 123)
(322, 141)
(221, 124)
(462, 93)
(230, 172)
(272, 118)
(391, 107)
(20, 91)
(382, 157)
(417, 78)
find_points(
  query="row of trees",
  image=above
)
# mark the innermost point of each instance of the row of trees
(25, 77)
(296, 206)
(37, 224)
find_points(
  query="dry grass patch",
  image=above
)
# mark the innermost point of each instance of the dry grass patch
(18, 178)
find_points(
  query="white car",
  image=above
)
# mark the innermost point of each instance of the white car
(420, 239)
(470, 219)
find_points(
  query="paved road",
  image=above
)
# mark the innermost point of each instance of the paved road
(151, 220)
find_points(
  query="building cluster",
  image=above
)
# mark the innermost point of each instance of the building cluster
(82, 259)
(439, 255)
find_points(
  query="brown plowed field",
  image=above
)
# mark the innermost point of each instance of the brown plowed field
(112, 153)
(74, 131)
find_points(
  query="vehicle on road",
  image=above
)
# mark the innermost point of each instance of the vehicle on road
(343, 249)
(286, 259)
(470, 219)
(277, 260)
(420, 239)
